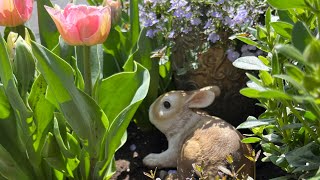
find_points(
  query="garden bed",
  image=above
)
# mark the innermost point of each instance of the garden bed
(139, 144)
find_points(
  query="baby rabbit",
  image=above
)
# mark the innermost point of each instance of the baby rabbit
(195, 137)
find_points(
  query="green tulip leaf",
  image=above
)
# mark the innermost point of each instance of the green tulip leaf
(24, 119)
(42, 111)
(49, 34)
(9, 168)
(85, 117)
(51, 153)
(62, 137)
(134, 21)
(4, 104)
(127, 96)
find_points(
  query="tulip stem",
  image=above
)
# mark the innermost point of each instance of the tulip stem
(87, 70)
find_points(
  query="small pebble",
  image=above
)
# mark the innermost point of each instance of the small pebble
(135, 154)
(133, 147)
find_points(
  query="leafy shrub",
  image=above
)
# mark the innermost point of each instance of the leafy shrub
(287, 85)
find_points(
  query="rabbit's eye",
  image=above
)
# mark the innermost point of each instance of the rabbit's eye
(166, 104)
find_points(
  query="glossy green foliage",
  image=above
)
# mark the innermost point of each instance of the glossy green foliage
(287, 85)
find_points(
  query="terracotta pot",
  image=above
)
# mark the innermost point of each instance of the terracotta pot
(215, 69)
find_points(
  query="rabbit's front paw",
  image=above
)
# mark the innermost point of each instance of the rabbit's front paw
(151, 160)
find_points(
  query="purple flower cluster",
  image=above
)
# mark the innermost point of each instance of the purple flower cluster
(210, 18)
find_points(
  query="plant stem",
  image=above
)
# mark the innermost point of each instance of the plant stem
(92, 166)
(87, 70)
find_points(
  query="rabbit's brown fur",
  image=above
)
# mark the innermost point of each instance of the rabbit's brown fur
(195, 137)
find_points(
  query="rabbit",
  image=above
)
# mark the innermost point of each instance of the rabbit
(194, 137)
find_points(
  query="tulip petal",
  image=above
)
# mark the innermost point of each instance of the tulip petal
(103, 30)
(67, 30)
(81, 24)
(15, 12)
(24, 8)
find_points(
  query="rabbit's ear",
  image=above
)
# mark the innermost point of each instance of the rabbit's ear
(203, 97)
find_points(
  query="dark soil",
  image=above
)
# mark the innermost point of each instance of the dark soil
(139, 144)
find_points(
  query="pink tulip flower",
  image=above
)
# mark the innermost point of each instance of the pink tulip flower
(81, 24)
(15, 12)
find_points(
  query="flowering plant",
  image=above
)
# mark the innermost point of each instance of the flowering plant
(211, 21)
(61, 115)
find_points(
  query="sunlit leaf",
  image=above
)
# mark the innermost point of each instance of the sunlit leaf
(250, 63)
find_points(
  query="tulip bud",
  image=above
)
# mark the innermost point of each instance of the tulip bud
(11, 40)
(115, 10)
(15, 12)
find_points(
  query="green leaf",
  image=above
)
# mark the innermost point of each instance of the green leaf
(61, 137)
(253, 43)
(311, 53)
(294, 72)
(251, 140)
(311, 83)
(250, 63)
(310, 116)
(134, 21)
(142, 56)
(261, 33)
(9, 168)
(301, 36)
(304, 158)
(22, 113)
(266, 78)
(84, 164)
(85, 117)
(254, 85)
(249, 92)
(284, 16)
(49, 34)
(23, 66)
(254, 79)
(297, 85)
(4, 104)
(268, 94)
(42, 109)
(282, 28)
(274, 94)
(253, 122)
(51, 153)
(127, 96)
(290, 52)
(274, 138)
(268, 20)
(287, 4)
